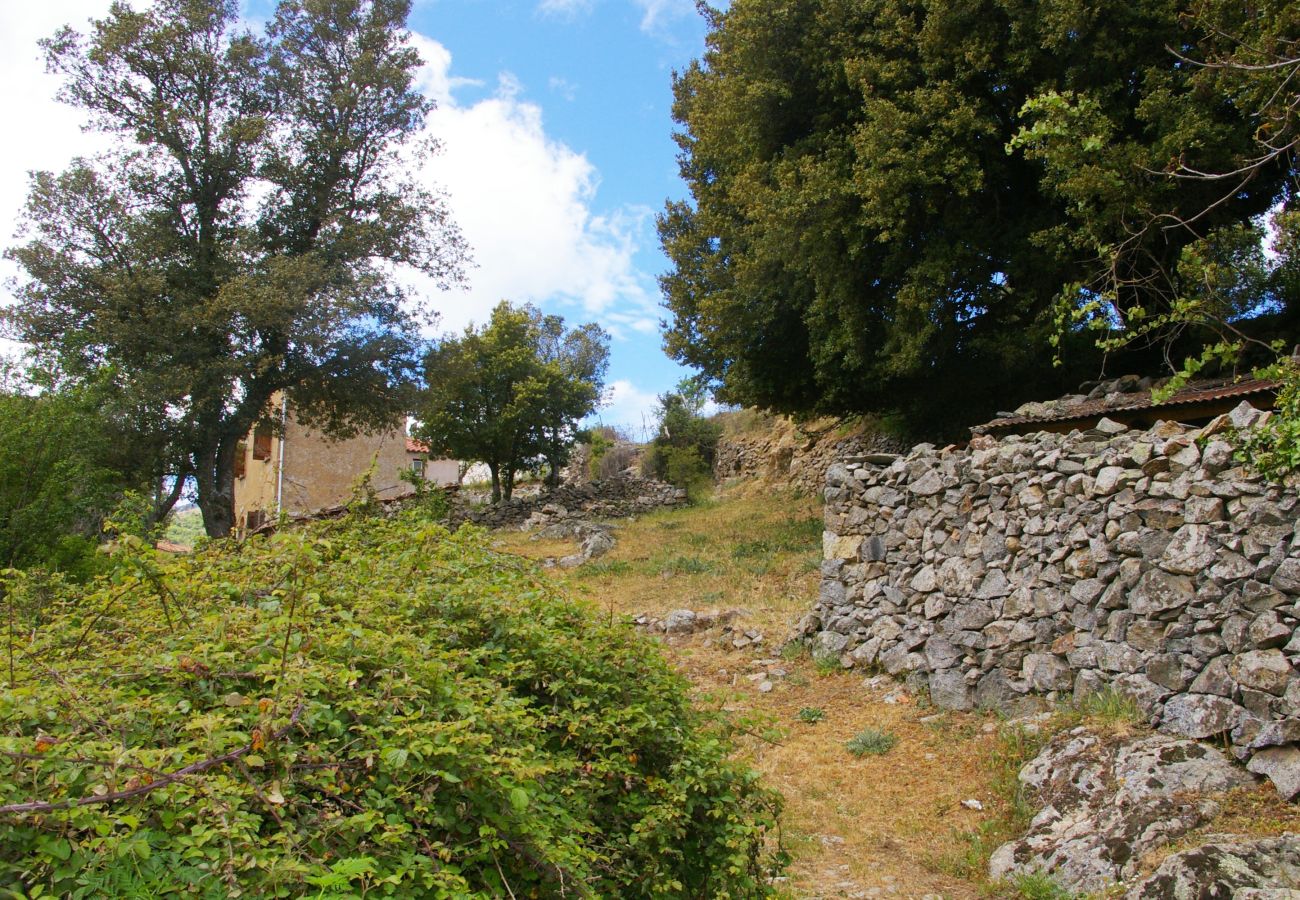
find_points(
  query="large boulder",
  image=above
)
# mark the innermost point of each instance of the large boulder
(1106, 803)
(1229, 866)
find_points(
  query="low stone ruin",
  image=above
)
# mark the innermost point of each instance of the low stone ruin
(685, 622)
(616, 498)
(1042, 566)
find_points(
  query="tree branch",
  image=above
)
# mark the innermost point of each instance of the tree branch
(164, 781)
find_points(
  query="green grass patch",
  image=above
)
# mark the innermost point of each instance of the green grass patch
(871, 742)
(681, 564)
(1108, 707)
(827, 664)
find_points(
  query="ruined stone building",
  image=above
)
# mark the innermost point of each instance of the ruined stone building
(301, 471)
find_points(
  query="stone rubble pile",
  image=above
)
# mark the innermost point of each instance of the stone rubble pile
(616, 498)
(685, 622)
(1041, 566)
(792, 457)
(594, 541)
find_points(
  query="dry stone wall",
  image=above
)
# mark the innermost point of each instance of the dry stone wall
(614, 498)
(1048, 565)
(786, 455)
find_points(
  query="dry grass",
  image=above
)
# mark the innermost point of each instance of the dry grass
(851, 823)
(892, 822)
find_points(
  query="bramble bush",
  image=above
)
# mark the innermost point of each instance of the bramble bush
(365, 707)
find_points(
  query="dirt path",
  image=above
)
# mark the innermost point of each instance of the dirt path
(889, 825)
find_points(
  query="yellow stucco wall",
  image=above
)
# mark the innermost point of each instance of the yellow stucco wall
(319, 473)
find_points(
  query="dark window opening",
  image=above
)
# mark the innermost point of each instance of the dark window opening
(241, 460)
(262, 442)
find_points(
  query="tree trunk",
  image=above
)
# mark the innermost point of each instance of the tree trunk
(215, 477)
(163, 502)
(553, 476)
(508, 482)
(496, 482)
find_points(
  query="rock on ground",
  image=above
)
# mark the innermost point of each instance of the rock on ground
(1106, 803)
(1229, 866)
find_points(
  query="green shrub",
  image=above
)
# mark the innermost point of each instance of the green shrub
(871, 742)
(811, 714)
(1273, 449)
(365, 707)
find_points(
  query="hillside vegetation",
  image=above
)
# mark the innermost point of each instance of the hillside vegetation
(362, 708)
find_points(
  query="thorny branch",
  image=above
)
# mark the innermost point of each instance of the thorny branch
(141, 790)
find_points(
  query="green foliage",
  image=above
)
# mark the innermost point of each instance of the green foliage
(366, 707)
(811, 714)
(185, 527)
(1037, 886)
(1179, 216)
(871, 742)
(600, 444)
(886, 196)
(684, 448)
(428, 499)
(1273, 449)
(238, 237)
(827, 663)
(1108, 707)
(512, 392)
(55, 486)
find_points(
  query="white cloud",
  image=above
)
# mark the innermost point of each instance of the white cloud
(524, 202)
(629, 409)
(41, 133)
(523, 199)
(564, 87)
(656, 15)
(565, 8)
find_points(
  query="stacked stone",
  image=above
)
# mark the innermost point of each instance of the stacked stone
(800, 461)
(1048, 565)
(611, 499)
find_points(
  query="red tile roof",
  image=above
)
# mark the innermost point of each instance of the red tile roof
(1199, 392)
(414, 446)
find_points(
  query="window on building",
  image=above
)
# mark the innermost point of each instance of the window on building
(255, 518)
(241, 460)
(417, 466)
(262, 442)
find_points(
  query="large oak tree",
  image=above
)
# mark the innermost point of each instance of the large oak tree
(862, 233)
(241, 237)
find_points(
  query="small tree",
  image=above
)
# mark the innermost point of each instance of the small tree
(683, 451)
(512, 392)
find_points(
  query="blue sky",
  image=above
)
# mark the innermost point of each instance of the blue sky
(555, 121)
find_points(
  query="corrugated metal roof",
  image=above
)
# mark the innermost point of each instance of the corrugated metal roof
(1202, 392)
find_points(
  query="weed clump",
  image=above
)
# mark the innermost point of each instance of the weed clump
(811, 714)
(871, 742)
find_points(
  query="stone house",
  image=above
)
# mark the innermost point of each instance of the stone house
(301, 471)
